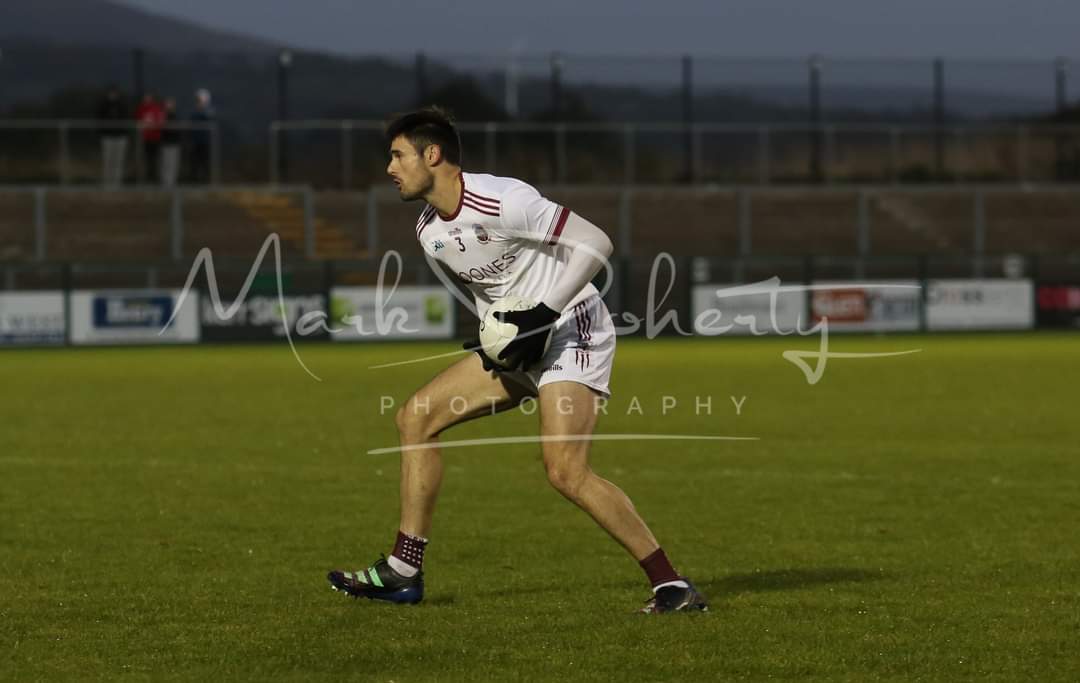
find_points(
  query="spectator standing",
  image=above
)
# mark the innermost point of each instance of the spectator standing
(150, 115)
(200, 136)
(113, 127)
(170, 145)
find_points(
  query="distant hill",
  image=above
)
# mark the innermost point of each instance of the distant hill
(110, 24)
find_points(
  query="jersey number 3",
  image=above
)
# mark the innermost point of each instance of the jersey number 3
(461, 245)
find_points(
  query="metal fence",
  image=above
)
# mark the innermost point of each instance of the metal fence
(631, 153)
(69, 151)
(351, 154)
(738, 225)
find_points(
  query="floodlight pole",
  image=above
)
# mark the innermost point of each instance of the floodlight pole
(1061, 74)
(1061, 81)
(815, 119)
(138, 73)
(284, 63)
(688, 117)
(556, 114)
(556, 86)
(421, 79)
(939, 117)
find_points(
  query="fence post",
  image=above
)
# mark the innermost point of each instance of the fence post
(629, 157)
(923, 265)
(862, 233)
(894, 155)
(274, 177)
(176, 224)
(764, 154)
(66, 282)
(696, 154)
(40, 226)
(1021, 153)
(979, 238)
(215, 154)
(961, 142)
(328, 286)
(140, 156)
(560, 153)
(65, 154)
(309, 223)
(626, 221)
(830, 153)
(489, 146)
(745, 223)
(346, 155)
(372, 221)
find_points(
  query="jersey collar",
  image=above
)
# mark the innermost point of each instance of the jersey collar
(460, 201)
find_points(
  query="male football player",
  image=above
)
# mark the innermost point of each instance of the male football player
(499, 236)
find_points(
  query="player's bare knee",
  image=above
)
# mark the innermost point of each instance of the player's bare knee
(413, 419)
(566, 476)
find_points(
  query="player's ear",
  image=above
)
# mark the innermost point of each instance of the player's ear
(433, 155)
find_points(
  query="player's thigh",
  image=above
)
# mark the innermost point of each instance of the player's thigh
(567, 409)
(463, 391)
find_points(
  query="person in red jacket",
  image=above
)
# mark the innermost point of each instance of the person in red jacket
(150, 116)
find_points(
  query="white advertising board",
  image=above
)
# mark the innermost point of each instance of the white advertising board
(32, 318)
(412, 312)
(980, 305)
(876, 306)
(133, 317)
(758, 308)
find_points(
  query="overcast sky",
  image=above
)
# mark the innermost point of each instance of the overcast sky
(1039, 29)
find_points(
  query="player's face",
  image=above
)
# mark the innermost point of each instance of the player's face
(409, 170)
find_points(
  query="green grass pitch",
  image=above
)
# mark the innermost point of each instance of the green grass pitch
(171, 514)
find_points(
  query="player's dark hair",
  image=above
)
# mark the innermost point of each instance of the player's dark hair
(427, 126)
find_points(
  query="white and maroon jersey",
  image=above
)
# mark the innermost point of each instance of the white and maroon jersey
(502, 239)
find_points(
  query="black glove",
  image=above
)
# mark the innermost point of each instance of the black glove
(534, 326)
(474, 345)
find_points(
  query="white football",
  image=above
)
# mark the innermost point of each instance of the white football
(494, 335)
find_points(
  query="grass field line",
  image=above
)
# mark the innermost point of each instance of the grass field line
(731, 473)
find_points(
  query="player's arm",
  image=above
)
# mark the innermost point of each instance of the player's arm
(527, 215)
(590, 248)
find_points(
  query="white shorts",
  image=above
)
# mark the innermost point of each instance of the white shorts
(582, 349)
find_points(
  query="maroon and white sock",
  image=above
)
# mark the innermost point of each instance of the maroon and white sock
(408, 555)
(660, 572)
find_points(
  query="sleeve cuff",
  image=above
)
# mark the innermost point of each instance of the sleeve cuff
(557, 224)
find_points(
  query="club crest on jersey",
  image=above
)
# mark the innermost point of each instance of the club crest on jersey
(437, 245)
(481, 234)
